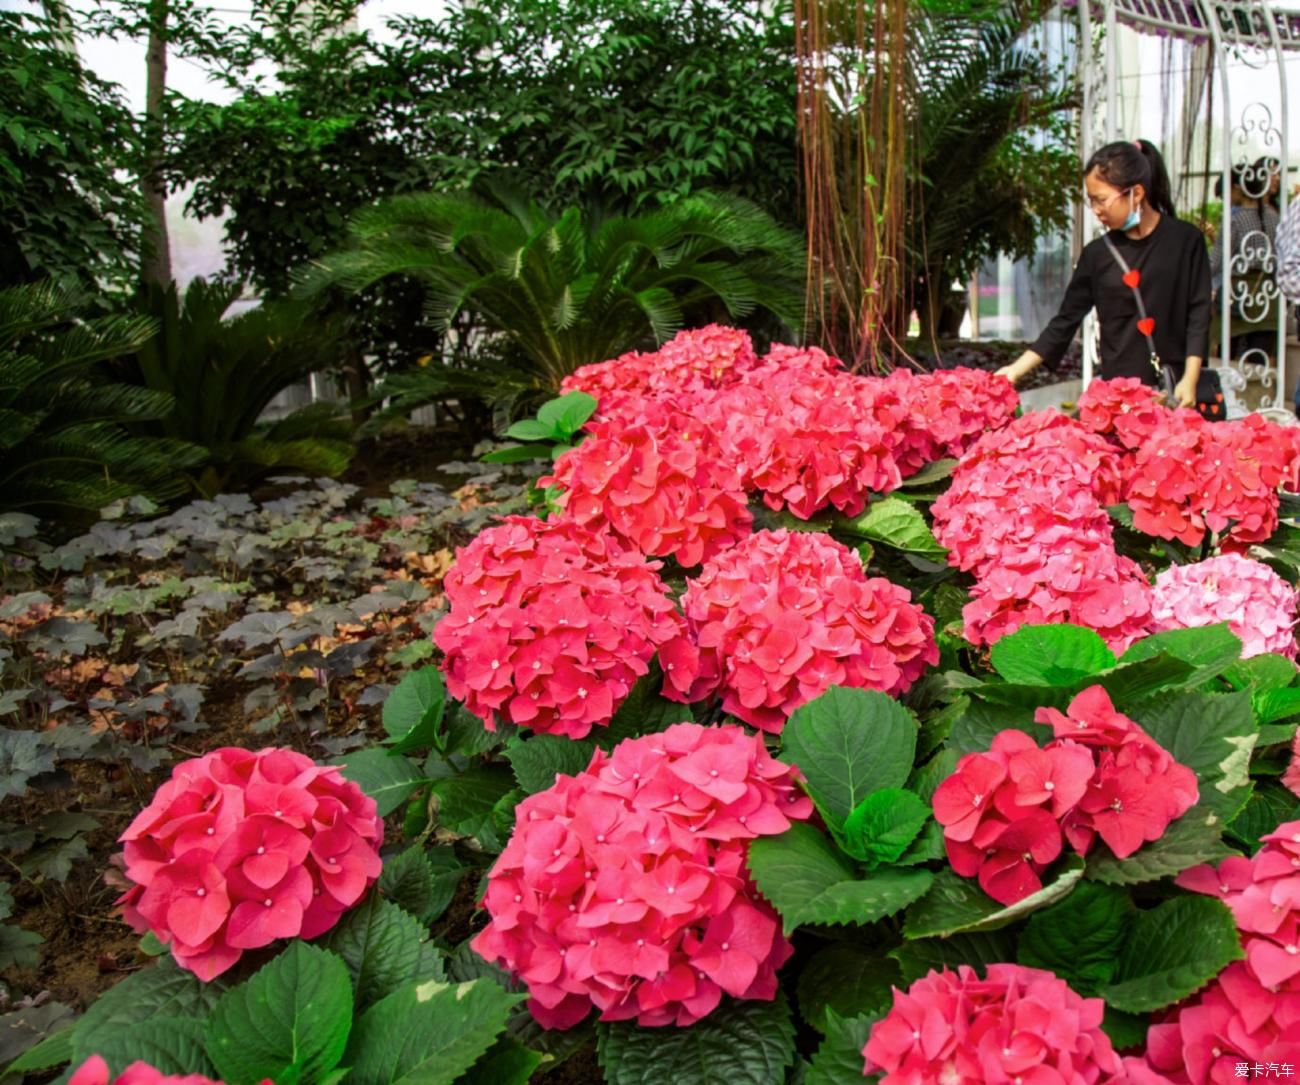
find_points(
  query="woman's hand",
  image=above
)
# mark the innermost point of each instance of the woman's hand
(1185, 391)
(1016, 371)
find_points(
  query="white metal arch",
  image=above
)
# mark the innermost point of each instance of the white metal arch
(1251, 32)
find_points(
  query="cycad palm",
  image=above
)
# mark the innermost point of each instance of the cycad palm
(574, 289)
(65, 446)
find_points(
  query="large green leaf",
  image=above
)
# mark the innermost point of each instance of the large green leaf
(565, 415)
(465, 801)
(387, 778)
(897, 523)
(1262, 673)
(507, 1062)
(979, 950)
(413, 711)
(384, 948)
(1172, 951)
(1050, 655)
(422, 882)
(289, 1022)
(742, 1042)
(849, 743)
(1270, 804)
(955, 904)
(540, 759)
(975, 730)
(1213, 735)
(1187, 842)
(839, 1059)
(161, 991)
(808, 880)
(846, 977)
(428, 1033)
(883, 825)
(1210, 650)
(173, 1045)
(1079, 938)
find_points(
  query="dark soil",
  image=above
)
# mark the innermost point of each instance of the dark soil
(991, 355)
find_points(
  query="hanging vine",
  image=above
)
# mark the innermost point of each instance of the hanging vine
(852, 95)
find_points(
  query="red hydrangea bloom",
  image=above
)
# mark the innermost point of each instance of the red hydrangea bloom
(1124, 409)
(660, 483)
(618, 385)
(624, 888)
(804, 440)
(1017, 1024)
(1006, 814)
(94, 1071)
(1251, 1012)
(1192, 476)
(1258, 605)
(551, 624)
(779, 619)
(240, 848)
(947, 411)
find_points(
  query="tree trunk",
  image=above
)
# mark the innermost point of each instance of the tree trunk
(156, 261)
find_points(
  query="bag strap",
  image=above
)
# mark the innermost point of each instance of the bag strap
(1137, 294)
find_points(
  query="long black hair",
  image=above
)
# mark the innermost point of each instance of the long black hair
(1125, 164)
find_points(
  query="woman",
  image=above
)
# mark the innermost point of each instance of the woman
(1128, 191)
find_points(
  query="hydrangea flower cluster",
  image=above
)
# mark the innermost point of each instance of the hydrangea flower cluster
(551, 624)
(1251, 1012)
(624, 888)
(779, 619)
(1007, 814)
(660, 483)
(693, 361)
(947, 411)
(803, 440)
(1026, 515)
(1126, 410)
(1017, 1024)
(94, 1071)
(240, 848)
(1192, 476)
(1258, 605)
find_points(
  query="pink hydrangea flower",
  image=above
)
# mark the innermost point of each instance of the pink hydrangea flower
(1015, 1024)
(1192, 476)
(660, 483)
(94, 1071)
(947, 411)
(1258, 605)
(1007, 814)
(1291, 777)
(551, 624)
(624, 888)
(1124, 409)
(804, 439)
(779, 619)
(1251, 1012)
(240, 848)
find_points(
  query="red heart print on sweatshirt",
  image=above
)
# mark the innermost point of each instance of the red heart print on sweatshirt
(1132, 277)
(1147, 325)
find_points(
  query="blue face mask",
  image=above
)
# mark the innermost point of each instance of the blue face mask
(1134, 216)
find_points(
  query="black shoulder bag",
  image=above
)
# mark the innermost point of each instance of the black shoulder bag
(1209, 389)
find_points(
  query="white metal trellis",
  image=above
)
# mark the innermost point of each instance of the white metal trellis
(1237, 32)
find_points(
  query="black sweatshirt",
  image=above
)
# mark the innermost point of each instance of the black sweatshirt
(1174, 278)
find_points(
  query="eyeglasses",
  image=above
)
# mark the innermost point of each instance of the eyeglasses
(1098, 204)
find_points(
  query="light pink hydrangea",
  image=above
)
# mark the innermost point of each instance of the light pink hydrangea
(551, 624)
(659, 482)
(779, 619)
(1258, 605)
(1015, 1024)
(240, 848)
(624, 888)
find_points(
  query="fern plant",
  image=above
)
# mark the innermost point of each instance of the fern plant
(222, 373)
(67, 446)
(564, 290)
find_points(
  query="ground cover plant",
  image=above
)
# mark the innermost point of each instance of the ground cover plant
(749, 720)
